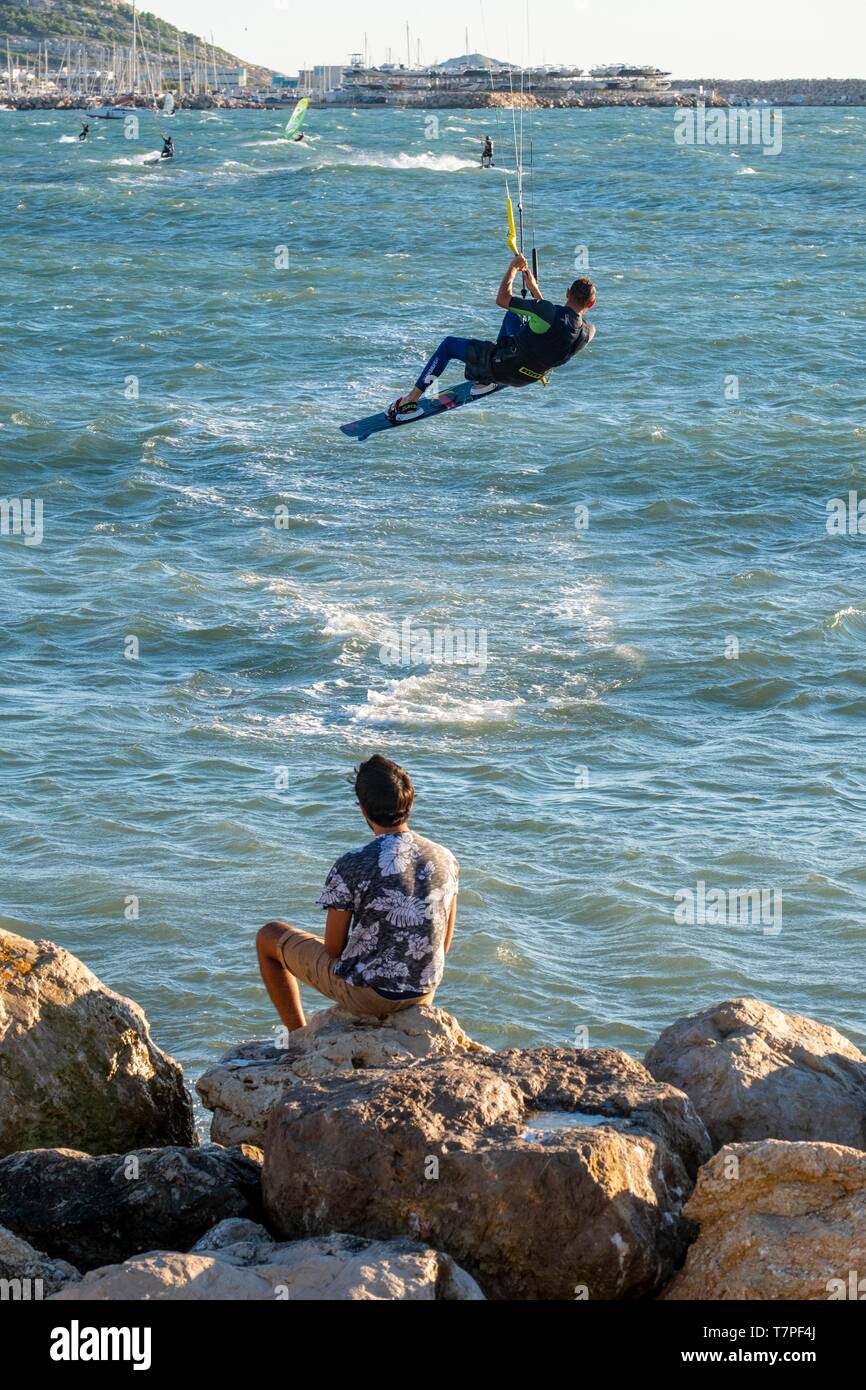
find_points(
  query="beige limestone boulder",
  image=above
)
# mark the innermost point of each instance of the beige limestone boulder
(78, 1067)
(250, 1078)
(753, 1072)
(244, 1264)
(778, 1220)
(546, 1174)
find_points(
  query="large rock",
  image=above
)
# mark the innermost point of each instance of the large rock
(77, 1064)
(28, 1273)
(96, 1211)
(753, 1072)
(243, 1263)
(250, 1078)
(543, 1173)
(777, 1220)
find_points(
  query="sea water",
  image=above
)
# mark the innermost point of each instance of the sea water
(667, 723)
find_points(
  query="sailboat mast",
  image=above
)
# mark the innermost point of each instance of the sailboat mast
(134, 58)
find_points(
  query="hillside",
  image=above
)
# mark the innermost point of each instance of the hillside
(101, 22)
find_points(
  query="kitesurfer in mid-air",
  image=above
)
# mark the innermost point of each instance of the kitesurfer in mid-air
(167, 147)
(487, 153)
(85, 131)
(536, 336)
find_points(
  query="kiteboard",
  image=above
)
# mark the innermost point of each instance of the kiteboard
(450, 398)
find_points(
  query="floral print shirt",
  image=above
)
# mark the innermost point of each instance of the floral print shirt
(399, 890)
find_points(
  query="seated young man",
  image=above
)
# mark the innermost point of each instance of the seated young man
(391, 909)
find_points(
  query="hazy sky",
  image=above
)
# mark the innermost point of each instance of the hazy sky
(720, 38)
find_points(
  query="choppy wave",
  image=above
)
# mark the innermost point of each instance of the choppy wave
(435, 163)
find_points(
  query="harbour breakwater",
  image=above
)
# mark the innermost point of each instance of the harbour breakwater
(542, 1173)
(687, 92)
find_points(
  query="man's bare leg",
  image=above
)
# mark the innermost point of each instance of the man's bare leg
(282, 987)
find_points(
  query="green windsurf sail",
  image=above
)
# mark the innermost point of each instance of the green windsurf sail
(296, 119)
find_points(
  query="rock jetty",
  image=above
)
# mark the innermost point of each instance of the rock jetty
(405, 1161)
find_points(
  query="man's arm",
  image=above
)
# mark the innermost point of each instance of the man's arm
(517, 265)
(449, 931)
(336, 931)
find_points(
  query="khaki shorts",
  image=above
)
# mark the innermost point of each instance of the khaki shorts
(305, 956)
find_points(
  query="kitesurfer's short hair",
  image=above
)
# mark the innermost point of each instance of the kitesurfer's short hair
(582, 292)
(384, 790)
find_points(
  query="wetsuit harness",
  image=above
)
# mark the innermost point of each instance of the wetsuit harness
(536, 336)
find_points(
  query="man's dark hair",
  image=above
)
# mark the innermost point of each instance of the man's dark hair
(582, 293)
(384, 790)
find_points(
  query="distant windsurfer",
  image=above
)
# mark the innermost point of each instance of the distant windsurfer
(167, 147)
(536, 336)
(487, 153)
(299, 136)
(85, 131)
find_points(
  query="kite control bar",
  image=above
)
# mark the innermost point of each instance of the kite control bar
(512, 236)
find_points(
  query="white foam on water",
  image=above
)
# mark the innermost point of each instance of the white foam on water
(337, 619)
(136, 161)
(840, 619)
(342, 621)
(434, 163)
(272, 730)
(419, 700)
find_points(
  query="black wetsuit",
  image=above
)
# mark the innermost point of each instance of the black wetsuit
(167, 149)
(535, 337)
(549, 336)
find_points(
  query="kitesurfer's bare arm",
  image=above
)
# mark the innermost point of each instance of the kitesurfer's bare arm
(517, 266)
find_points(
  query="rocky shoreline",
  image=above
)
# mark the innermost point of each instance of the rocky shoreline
(404, 1161)
(440, 101)
(745, 94)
